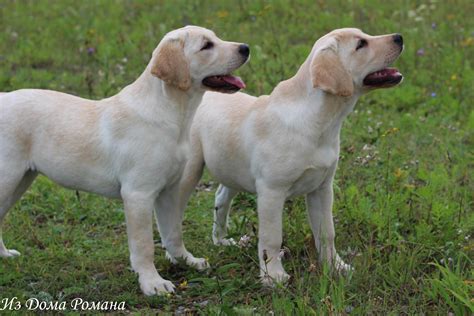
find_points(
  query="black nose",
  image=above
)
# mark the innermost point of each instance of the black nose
(398, 39)
(244, 50)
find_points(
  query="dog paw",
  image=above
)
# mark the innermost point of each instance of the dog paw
(156, 286)
(224, 241)
(342, 267)
(197, 263)
(172, 259)
(280, 277)
(9, 253)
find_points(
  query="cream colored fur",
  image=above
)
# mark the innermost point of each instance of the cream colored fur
(285, 144)
(132, 145)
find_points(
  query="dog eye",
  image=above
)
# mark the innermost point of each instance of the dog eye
(361, 43)
(208, 45)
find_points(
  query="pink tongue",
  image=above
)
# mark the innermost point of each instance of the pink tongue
(235, 81)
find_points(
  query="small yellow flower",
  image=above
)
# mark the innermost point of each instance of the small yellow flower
(468, 42)
(398, 173)
(265, 9)
(390, 131)
(454, 77)
(468, 247)
(223, 14)
(183, 285)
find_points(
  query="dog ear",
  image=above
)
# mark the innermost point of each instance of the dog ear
(171, 66)
(328, 74)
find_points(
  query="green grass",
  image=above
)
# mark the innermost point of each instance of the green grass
(404, 186)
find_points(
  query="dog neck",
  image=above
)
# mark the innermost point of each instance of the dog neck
(150, 97)
(321, 113)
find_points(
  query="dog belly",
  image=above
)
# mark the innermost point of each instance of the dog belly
(88, 180)
(74, 171)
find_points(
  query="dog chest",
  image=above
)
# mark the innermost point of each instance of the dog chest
(318, 169)
(310, 180)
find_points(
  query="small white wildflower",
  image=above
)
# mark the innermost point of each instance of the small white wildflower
(244, 241)
(120, 68)
(367, 147)
(281, 254)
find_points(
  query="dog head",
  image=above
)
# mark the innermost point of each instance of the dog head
(193, 56)
(347, 61)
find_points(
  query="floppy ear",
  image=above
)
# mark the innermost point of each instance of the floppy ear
(328, 74)
(171, 66)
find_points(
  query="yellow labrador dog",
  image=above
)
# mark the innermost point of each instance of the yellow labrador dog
(287, 144)
(132, 145)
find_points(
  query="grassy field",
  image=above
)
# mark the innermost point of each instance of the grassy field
(404, 187)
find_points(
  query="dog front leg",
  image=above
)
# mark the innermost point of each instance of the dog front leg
(139, 217)
(270, 208)
(319, 206)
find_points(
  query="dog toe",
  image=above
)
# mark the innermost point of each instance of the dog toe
(9, 253)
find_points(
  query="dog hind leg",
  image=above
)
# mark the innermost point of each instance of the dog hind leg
(170, 207)
(12, 187)
(224, 196)
(170, 222)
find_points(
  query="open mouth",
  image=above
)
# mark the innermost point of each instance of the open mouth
(224, 83)
(384, 78)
